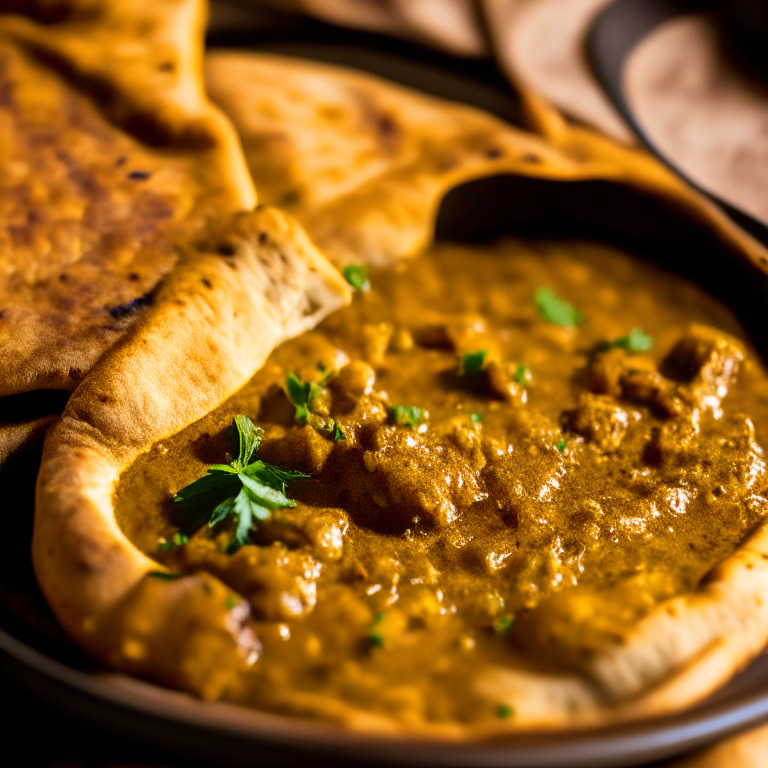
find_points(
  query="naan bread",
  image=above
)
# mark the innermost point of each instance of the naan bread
(111, 157)
(363, 164)
(215, 320)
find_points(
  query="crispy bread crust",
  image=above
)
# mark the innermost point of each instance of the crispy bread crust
(216, 319)
(111, 156)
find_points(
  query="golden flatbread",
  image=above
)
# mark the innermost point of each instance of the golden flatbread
(110, 157)
(216, 318)
(363, 163)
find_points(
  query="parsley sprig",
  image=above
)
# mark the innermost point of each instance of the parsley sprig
(244, 490)
(556, 310)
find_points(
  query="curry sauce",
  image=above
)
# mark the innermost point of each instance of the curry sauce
(504, 487)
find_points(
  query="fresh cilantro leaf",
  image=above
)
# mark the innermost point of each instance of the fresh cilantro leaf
(521, 375)
(222, 511)
(177, 540)
(244, 490)
(208, 490)
(407, 415)
(560, 444)
(472, 362)
(275, 477)
(636, 341)
(357, 276)
(477, 418)
(263, 494)
(556, 310)
(336, 433)
(166, 575)
(249, 439)
(304, 395)
(298, 392)
(504, 711)
(243, 509)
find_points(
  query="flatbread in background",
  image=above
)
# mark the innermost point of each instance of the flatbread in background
(110, 157)
(363, 163)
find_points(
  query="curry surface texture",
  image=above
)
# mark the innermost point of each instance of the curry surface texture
(534, 510)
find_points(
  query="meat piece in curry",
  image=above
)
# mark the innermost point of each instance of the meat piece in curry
(513, 453)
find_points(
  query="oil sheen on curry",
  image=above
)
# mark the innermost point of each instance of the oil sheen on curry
(512, 453)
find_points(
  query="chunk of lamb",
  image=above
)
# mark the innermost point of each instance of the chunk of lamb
(407, 479)
(706, 361)
(600, 420)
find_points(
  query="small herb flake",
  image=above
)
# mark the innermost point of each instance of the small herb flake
(504, 711)
(232, 601)
(407, 415)
(561, 444)
(357, 276)
(376, 640)
(477, 418)
(177, 540)
(521, 375)
(556, 310)
(502, 625)
(472, 363)
(305, 395)
(636, 341)
(244, 490)
(166, 575)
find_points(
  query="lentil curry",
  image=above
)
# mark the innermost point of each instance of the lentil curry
(513, 453)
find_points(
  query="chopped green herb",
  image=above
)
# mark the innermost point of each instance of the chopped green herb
(357, 276)
(249, 438)
(503, 625)
(504, 711)
(560, 445)
(177, 540)
(472, 363)
(556, 310)
(636, 341)
(232, 601)
(166, 575)
(521, 375)
(375, 638)
(477, 418)
(407, 415)
(244, 490)
(304, 396)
